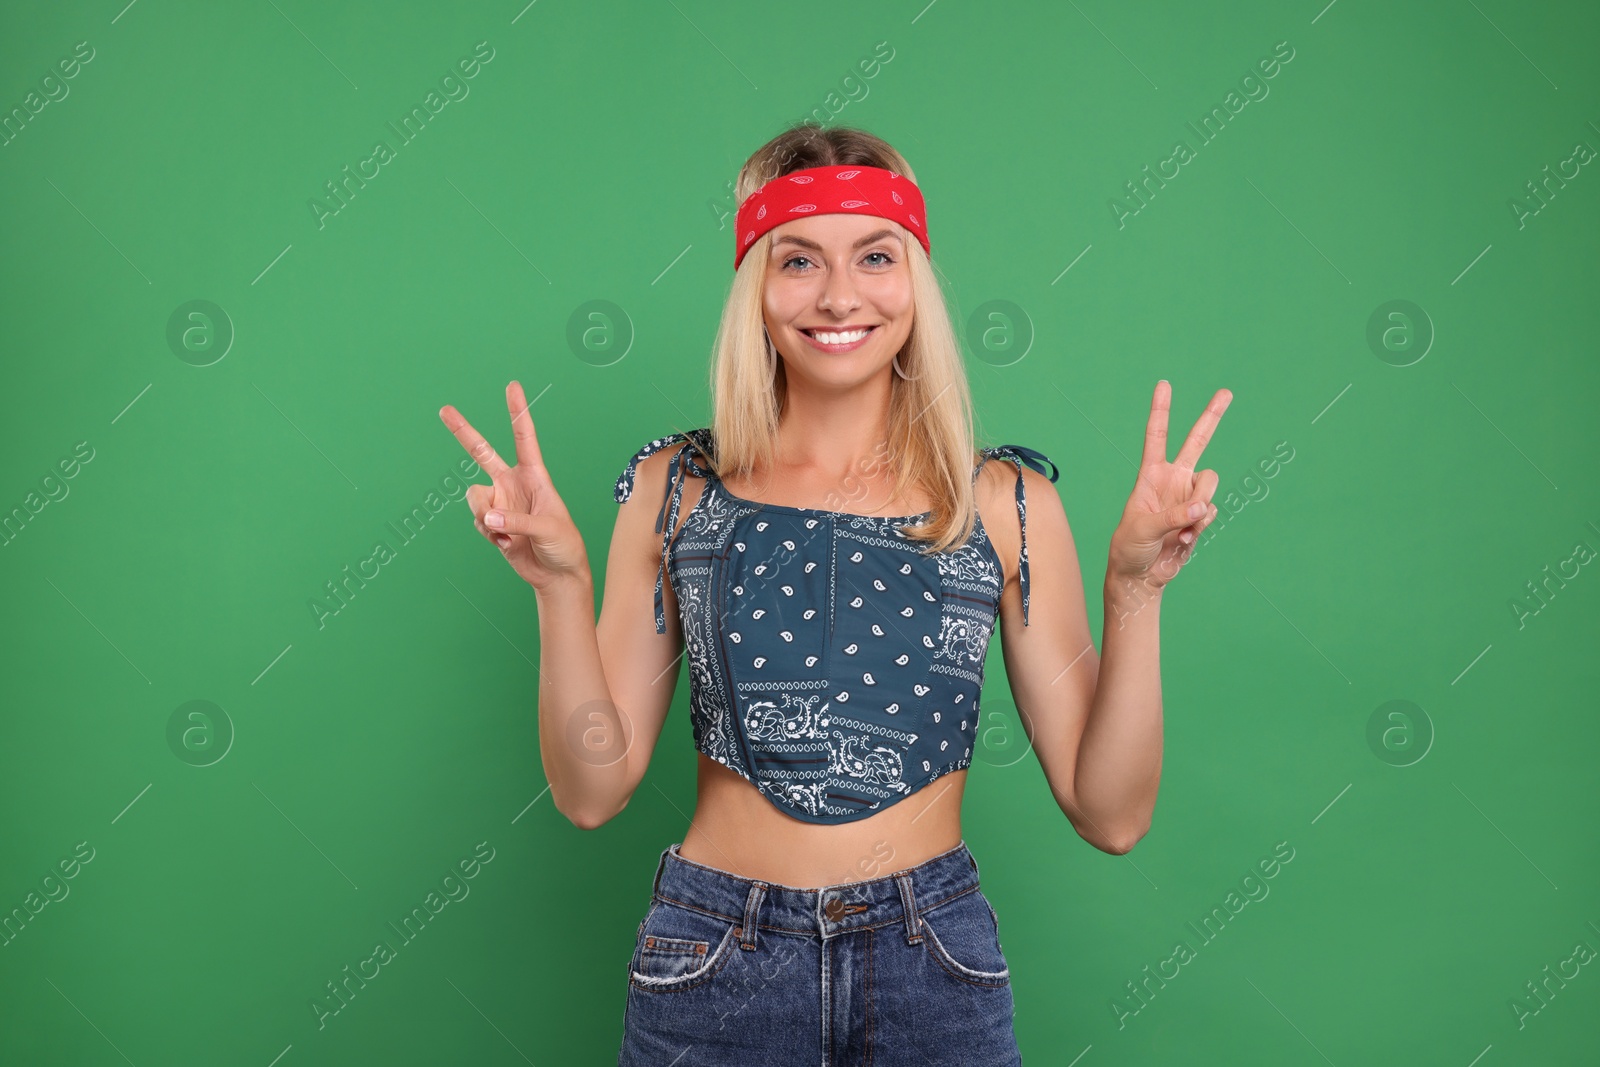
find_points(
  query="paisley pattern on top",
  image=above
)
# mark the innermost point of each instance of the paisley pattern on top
(831, 663)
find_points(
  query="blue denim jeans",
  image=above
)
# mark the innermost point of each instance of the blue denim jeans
(905, 969)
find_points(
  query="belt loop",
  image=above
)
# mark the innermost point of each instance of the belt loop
(747, 938)
(661, 866)
(909, 902)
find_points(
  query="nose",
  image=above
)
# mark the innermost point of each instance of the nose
(839, 293)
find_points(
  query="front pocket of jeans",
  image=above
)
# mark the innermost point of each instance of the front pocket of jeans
(969, 947)
(680, 948)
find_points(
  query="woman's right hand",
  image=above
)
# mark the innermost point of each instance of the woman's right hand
(535, 533)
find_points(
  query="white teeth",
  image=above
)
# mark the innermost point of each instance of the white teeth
(839, 338)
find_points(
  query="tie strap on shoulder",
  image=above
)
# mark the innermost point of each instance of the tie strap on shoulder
(684, 463)
(1020, 454)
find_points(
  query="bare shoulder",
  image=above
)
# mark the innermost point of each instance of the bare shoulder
(996, 499)
(996, 492)
(651, 479)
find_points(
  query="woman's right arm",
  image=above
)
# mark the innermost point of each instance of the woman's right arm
(599, 713)
(604, 690)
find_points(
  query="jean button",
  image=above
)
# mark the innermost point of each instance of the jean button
(833, 908)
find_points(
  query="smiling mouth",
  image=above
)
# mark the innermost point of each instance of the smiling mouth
(834, 336)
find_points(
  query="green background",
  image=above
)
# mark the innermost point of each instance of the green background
(1436, 870)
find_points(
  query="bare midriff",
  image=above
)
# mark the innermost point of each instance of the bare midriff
(738, 830)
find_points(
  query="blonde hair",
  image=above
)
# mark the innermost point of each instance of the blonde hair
(930, 435)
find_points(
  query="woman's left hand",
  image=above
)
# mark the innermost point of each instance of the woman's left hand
(1170, 503)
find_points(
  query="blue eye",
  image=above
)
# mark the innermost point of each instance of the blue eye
(886, 259)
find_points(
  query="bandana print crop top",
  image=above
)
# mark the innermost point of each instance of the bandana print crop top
(831, 663)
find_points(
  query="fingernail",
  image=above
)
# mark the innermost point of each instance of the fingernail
(1196, 508)
(495, 519)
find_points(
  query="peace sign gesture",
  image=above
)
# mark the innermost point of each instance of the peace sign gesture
(1170, 503)
(521, 513)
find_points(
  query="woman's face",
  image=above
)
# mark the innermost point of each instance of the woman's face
(829, 277)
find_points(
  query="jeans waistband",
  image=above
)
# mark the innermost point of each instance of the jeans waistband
(824, 911)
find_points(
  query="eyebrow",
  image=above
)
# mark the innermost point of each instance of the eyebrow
(877, 235)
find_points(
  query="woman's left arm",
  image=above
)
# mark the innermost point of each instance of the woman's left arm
(1095, 721)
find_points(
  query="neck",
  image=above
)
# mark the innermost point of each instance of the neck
(836, 433)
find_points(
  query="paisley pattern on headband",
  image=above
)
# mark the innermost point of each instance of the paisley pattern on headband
(848, 190)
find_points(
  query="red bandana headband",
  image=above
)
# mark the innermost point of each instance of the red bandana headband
(848, 190)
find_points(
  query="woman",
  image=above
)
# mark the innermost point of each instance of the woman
(834, 554)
